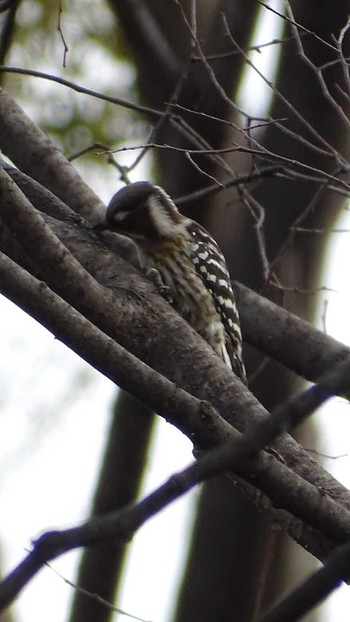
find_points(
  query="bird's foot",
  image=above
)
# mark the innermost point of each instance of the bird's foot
(154, 276)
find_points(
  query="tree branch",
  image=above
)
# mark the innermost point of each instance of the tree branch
(315, 589)
(42, 160)
(285, 337)
(119, 526)
(132, 313)
(265, 325)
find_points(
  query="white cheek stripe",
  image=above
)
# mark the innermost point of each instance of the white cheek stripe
(164, 223)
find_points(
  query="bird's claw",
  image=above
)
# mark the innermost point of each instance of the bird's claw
(154, 276)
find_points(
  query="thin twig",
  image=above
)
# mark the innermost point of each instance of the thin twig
(291, 21)
(151, 112)
(325, 90)
(60, 30)
(255, 175)
(285, 101)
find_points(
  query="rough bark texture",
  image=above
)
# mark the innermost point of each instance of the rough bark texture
(234, 554)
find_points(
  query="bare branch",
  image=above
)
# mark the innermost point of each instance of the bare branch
(269, 328)
(315, 589)
(150, 112)
(254, 175)
(287, 103)
(120, 525)
(42, 160)
(343, 61)
(195, 418)
(268, 155)
(318, 73)
(98, 349)
(60, 30)
(298, 221)
(131, 313)
(291, 21)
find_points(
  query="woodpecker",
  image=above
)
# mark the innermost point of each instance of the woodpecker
(188, 261)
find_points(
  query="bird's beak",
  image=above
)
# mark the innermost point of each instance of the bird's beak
(100, 226)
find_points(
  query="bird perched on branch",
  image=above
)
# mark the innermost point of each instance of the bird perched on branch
(188, 261)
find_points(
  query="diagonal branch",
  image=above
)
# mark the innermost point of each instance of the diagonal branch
(266, 326)
(198, 420)
(286, 338)
(136, 311)
(120, 526)
(236, 403)
(40, 158)
(315, 589)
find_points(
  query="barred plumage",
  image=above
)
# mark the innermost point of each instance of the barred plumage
(189, 262)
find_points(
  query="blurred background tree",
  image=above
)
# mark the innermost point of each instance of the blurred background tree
(185, 60)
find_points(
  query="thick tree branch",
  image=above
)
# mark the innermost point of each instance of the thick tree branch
(265, 325)
(268, 327)
(123, 327)
(309, 494)
(315, 589)
(285, 337)
(136, 310)
(42, 160)
(120, 525)
(196, 419)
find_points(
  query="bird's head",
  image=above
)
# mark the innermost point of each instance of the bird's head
(141, 210)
